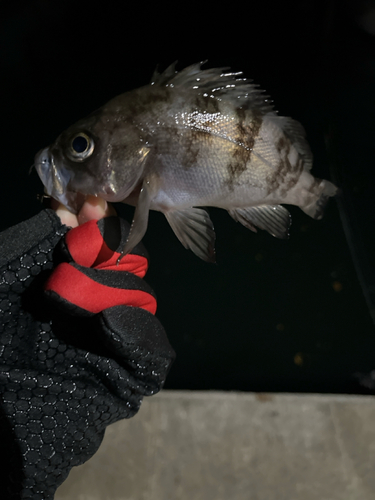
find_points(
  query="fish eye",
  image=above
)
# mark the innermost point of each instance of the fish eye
(80, 144)
(81, 147)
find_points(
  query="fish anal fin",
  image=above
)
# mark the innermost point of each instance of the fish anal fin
(194, 228)
(275, 219)
(239, 215)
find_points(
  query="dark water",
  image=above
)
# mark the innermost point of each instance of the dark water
(272, 315)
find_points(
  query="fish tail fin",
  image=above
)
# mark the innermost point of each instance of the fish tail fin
(324, 191)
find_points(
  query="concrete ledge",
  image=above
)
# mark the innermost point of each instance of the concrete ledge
(235, 446)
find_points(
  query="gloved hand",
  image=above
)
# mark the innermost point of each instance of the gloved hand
(79, 347)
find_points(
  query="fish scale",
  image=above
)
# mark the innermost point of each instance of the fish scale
(189, 139)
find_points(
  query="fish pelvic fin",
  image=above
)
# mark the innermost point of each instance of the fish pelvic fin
(140, 220)
(194, 228)
(275, 219)
(325, 190)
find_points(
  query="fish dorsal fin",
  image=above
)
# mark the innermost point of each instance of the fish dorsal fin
(273, 218)
(163, 78)
(216, 83)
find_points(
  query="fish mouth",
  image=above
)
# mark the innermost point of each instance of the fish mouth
(56, 181)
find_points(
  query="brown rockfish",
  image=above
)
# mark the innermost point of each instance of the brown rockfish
(189, 139)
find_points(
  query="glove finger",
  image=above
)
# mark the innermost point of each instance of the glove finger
(99, 243)
(84, 291)
(137, 340)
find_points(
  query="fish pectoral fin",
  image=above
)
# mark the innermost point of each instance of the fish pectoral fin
(275, 219)
(194, 228)
(140, 219)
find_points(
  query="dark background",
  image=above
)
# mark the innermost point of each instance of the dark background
(271, 315)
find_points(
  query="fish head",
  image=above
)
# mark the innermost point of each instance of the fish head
(101, 155)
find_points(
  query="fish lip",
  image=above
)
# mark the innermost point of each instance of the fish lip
(56, 181)
(42, 164)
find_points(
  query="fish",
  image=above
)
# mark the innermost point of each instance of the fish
(189, 139)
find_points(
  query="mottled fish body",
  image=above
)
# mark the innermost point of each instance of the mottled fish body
(189, 139)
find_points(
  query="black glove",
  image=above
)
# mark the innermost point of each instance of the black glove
(67, 368)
